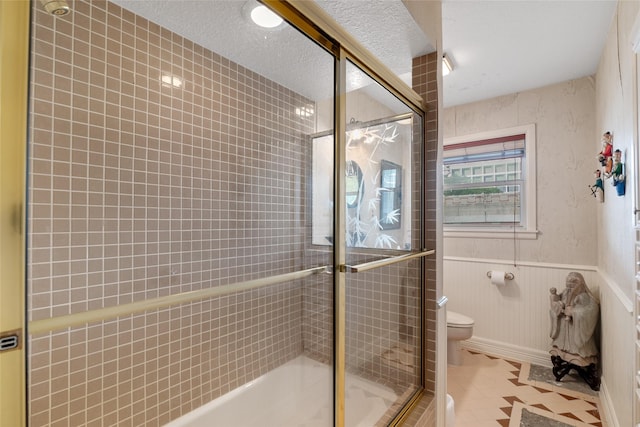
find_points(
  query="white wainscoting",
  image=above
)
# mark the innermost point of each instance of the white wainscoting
(511, 321)
(618, 333)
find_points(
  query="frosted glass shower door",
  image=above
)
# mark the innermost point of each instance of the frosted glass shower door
(384, 279)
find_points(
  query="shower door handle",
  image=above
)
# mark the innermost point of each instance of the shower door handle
(107, 313)
(385, 261)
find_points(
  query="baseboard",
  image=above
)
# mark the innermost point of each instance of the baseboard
(507, 351)
(607, 405)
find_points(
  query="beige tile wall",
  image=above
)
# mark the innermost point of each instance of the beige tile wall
(138, 190)
(425, 83)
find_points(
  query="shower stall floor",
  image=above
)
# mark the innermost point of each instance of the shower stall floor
(298, 393)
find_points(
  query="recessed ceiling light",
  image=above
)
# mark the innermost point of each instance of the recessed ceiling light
(264, 17)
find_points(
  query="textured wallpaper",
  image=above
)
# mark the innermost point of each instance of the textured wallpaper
(616, 81)
(567, 144)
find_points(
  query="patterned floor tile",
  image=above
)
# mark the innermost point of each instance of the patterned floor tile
(489, 390)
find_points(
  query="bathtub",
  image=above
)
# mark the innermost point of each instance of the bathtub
(297, 393)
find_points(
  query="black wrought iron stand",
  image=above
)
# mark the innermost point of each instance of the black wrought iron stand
(588, 373)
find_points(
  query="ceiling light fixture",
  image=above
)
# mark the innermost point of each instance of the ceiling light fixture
(263, 16)
(447, 65)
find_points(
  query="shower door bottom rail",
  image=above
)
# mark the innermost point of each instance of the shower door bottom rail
(109, 313)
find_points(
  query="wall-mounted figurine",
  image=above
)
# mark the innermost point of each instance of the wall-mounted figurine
(604, 156)
(617, 173)
(597, 189)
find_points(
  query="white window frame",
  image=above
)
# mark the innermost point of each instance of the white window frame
(529, 230)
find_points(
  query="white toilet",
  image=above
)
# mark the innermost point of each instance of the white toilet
(459, 327)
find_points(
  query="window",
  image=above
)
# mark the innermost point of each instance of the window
(390, 194)
(489, 184)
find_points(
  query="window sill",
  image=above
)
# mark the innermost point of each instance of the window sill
(484, 233)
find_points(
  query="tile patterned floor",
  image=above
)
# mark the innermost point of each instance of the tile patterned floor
(493, 392)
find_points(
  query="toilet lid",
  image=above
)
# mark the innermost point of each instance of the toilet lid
(456, 319)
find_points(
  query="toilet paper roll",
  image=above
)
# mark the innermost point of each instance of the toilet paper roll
(497, 278)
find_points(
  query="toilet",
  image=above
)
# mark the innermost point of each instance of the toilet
(459, 327)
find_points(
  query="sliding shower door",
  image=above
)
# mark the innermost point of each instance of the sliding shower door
(188, 259)
(170, 260)
(384, 279)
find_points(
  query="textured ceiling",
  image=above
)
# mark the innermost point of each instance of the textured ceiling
(498, 47)
(502, 47)
(282, 54)
(222, 26)
(384, 27)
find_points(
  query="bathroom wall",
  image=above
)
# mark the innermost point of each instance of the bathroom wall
(510, 320)
(600, 236)
(140, 190)
(513, 320)
(616, 111)
(564, 118)
(425, 81)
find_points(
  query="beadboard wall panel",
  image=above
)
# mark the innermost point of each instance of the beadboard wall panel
(514, 316)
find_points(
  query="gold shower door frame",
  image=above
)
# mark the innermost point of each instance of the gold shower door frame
(308, 17)
(14, 73)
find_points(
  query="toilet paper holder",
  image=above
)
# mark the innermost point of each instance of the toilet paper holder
(507, 276)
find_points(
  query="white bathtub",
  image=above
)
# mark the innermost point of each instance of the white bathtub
(297, 393)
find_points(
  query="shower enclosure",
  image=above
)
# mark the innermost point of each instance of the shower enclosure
(210, 202)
